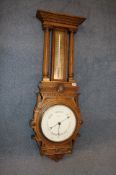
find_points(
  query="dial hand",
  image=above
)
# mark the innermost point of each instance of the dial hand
(65, 119)
(59, 123)
(53, 126)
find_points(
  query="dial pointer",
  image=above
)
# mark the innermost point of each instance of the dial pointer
(53, 126)
(59, 128)
(64, 119)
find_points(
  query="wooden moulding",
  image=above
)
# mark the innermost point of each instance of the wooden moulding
(58, 20)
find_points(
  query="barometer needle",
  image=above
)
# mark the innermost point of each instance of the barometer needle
(59, 123)
(59, 128)
(64, 119)
(53, 126)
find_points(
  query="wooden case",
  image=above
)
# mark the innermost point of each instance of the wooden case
(52, 91)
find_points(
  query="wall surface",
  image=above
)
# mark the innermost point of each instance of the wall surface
(21, 54)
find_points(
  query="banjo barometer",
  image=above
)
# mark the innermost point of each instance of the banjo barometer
(57, 119)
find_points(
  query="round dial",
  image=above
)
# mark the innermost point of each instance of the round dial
(58, 123)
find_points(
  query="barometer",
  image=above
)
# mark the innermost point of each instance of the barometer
(57, 119)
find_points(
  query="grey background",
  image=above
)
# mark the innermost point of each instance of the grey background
(21, 54)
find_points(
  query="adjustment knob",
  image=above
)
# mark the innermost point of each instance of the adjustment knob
(60, 88)
(81, 122)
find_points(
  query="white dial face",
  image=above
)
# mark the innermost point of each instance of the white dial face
(58, 123)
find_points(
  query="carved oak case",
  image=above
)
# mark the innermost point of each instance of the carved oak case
(57, 119)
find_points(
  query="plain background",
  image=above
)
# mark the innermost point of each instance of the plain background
(21, 54)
